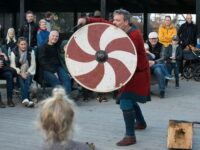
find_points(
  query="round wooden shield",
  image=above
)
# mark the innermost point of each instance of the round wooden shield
(101, 57)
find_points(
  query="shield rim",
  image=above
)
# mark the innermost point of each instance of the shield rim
(108, 90)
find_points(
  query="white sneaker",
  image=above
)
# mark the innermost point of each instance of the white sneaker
(25, 102)
(169, 78)
(30, 104)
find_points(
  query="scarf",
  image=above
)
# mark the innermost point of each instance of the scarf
(23, 61)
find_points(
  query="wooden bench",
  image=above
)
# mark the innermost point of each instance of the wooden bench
(2, 83)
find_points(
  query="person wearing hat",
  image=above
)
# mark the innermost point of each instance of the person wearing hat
(173, 56)
(156, 48)
(163, 67)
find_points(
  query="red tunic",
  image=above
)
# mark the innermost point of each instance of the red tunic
(138, 88)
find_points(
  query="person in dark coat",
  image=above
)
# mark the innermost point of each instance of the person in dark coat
(1, 34)
(29, 29)
(138, 88)
(187, 32)
(51, 64)
(173, 57)
(6, 73)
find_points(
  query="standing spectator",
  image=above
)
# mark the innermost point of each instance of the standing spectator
(1, 34)
(10, 41)
(29, 30)
(56, 121)
(157, 49)
(6, 73)
(173, 56)
(23, 61)
(48, 19)
(138, 88)
(166, 31)
(49, 61)
(42, 34)
(187, 32)
(97, 14)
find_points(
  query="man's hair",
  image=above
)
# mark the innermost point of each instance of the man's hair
(53, 31)
(168, 17)
(123, 12)
(29, 12)
(48, 14)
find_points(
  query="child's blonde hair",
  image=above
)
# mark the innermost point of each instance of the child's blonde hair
(57, 116)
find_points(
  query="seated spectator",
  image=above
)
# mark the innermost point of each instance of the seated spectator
(157, 49)
(42, 33)
(56, 121)
(6, 73)
(23, 61)
(10, 41)
(50, 62)
(173, 57)
(151, 58)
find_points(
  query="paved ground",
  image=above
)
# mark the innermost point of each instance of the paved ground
(102, 123)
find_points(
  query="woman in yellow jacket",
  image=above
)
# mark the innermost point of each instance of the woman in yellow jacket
(166, 31)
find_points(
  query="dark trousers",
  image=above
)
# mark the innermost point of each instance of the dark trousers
(175, 67)
(131, 113)
(62, 79)
(8, 76)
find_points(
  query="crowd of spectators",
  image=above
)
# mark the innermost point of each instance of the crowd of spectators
(36, 52)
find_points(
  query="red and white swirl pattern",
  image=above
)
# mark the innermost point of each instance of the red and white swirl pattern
(87, 71)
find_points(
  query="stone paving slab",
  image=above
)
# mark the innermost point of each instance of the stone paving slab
(102, 123)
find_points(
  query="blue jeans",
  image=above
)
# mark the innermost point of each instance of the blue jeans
(62, 79)
(25, 86)
(163, 68)
(131, 113)
(157, 71)
(8, 76)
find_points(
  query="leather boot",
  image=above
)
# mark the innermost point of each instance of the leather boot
(126, 141)
(177, 84)
(2, 105)
(10, 103)
(140, 126)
